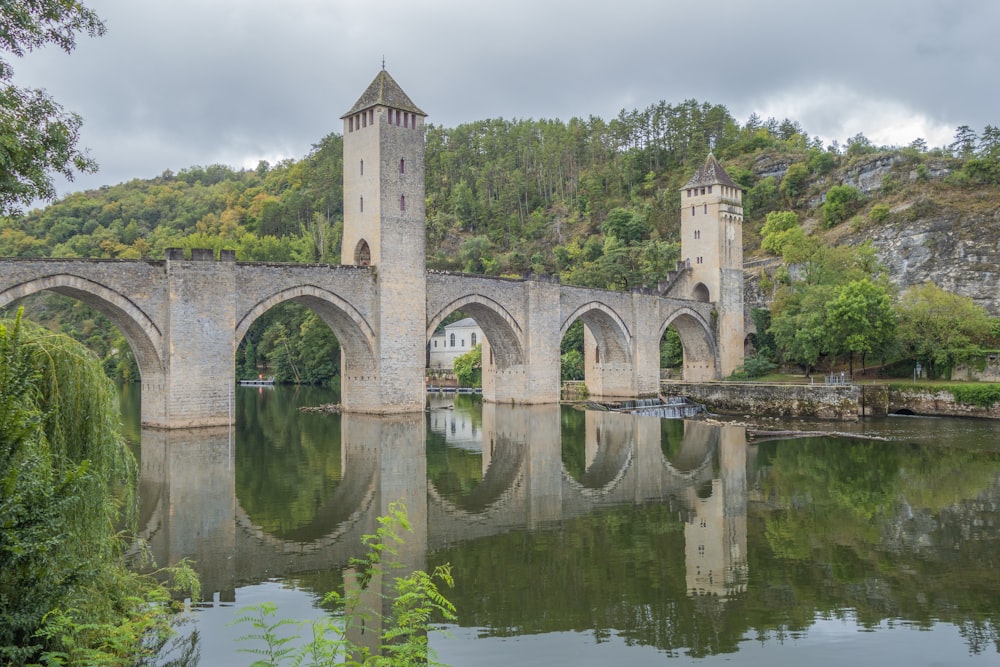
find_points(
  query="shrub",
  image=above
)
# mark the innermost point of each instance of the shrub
(878, 213)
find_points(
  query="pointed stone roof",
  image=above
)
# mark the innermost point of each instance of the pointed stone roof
(711, 173)
(384, 91)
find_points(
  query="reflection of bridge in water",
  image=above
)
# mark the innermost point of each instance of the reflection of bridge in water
(190, 508)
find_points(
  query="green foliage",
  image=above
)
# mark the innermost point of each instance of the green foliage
(67, 480)
(291, 344)
(415, 601)
(626, 226)
(842, 201)
(933, 323)
(821, 162)
(782, 231)
(571, 366)
(879, 213)
(861, 318)
(37, 137)
(764, 339)
(761, 199)
(753, 367)
(795, 182)
(980, 395)
(469, 368)
(671, 349)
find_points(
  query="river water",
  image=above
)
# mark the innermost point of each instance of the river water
(591, 538)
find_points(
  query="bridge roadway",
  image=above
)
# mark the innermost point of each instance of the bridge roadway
(190, 508)
(184, 319)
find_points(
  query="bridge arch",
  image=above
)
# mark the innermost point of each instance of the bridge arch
(505, 471)
(700, 350)
(352, 330)
(141, 333)
(499, 326)
(611, 334)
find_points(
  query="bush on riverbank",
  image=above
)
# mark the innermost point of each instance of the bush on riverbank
(67, 479)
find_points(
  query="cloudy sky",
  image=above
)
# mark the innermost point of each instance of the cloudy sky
(194, 82)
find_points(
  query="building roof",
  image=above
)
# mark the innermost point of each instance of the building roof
(467, 323)
(711, 173)
(384, 91)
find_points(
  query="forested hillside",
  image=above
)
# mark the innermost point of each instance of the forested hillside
(595, 202)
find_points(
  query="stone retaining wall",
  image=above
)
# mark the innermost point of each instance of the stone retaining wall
(924, 401)
(818, 401)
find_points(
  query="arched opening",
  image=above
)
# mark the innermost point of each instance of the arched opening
(305, 336)
(108, 323)
(474, 343)
(595, 350)
(692, 333)
(362, 253)
(289, 345)
(701, 293)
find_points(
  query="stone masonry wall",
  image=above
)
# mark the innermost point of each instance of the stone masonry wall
(835, 402)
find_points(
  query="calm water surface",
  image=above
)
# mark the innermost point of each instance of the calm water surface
(591, 538)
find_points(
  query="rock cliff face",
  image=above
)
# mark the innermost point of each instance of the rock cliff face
(957, 250)
(948, 234)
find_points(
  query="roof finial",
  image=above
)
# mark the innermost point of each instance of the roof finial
(383, 62)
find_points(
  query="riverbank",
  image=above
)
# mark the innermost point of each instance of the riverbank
(841, 402)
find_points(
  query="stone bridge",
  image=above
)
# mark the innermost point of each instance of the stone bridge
(191, 508)
(184, 318)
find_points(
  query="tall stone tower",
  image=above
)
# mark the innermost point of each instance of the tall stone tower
(384, 228)
(712, 241)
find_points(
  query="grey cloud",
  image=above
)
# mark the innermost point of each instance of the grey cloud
(191, 82)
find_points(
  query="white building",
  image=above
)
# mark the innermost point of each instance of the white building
(453, 341)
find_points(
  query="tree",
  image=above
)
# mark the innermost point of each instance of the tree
(795, 182)
(935, 325)
(625, 225)
(861, 319)
(965, 142)
(842, 201)
(469, 368)
(68, 479)
(38, 138)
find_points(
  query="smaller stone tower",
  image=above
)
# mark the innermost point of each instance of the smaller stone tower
(384, 227)
(712, 241)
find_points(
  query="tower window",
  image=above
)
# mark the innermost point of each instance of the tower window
(406, 119)
(710, 189)
(703, 191)
(362, 204)
(473, 340)
(697, 233)
(364, 120)
(453, 340)
(706, 208)
(371, 116)
(692, 210)
(402, 202)
(402, 165)
(350, 124)
(362, 167)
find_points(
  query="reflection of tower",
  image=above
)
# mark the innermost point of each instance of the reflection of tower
(715, 537)
(712, 241)
(398, 442)
(384, 227)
